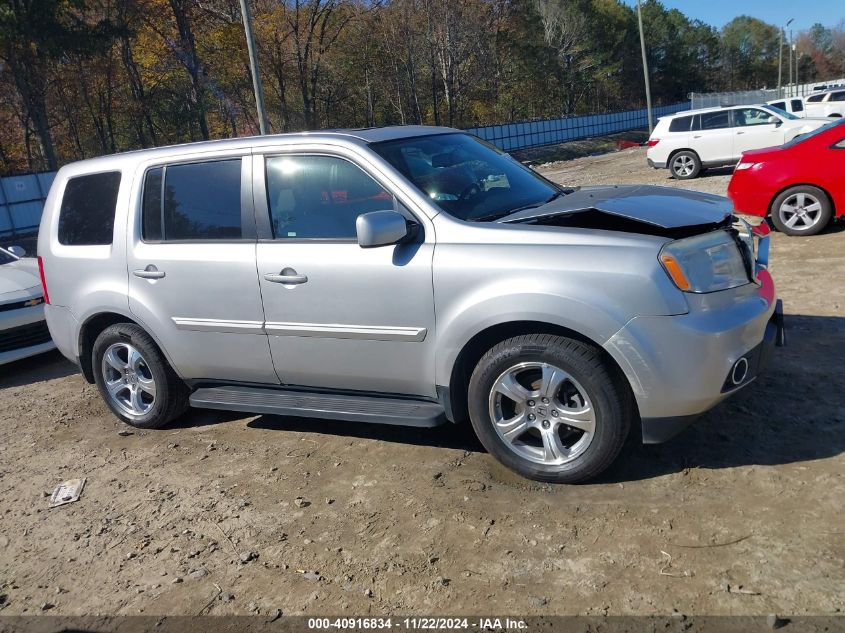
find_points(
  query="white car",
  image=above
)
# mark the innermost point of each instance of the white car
(830, 103)
(690, 141)
(23, 330)
(793, 105)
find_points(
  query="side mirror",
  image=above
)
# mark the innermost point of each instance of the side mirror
(775, 120)
(381, 228)
(17, 251)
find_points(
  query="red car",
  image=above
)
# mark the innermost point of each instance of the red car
(800, 184)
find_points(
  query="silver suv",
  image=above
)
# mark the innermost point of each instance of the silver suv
(407, 275)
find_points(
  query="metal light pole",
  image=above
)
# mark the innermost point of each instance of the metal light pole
(790, 58)
(780, 54)
(253, 67)
(645, 70)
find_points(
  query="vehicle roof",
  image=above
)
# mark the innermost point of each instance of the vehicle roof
(713, 109)
(360, 136)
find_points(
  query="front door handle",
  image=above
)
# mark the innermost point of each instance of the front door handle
(150, 272)
(287, 276)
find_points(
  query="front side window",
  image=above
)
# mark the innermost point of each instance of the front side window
(86, 216)
(466, 177)
(716, 120)
(838, 96)
(196, 201)
(749, 117)
(320, 197)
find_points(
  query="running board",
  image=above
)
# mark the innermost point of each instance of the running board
(303, 404)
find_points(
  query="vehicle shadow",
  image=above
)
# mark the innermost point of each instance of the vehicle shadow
(47, 366)
(793, 413)
(454, 436)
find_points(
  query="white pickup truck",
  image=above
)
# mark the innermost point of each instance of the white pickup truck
(830, 103)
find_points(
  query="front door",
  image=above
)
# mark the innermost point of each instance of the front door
(752, 130)
(340, 316)
(192, 278)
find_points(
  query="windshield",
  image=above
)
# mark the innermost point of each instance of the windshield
(466, 177)
(819, 130)
(779, 112)
(6, 257)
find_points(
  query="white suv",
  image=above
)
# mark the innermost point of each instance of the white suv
(715, 137)
(830, 103)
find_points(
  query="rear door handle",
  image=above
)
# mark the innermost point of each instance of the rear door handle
(287, 276)
(150, 272)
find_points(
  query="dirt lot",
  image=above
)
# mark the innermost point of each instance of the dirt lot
(742, 514)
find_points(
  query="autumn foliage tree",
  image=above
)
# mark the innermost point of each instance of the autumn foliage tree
(81, 78)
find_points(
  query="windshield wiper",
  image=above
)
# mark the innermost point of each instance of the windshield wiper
(492, 217)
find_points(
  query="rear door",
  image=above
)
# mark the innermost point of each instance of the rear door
(191, 261)
(752, 130)
(713, 138)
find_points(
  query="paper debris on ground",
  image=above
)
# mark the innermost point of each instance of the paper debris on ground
(67, 492)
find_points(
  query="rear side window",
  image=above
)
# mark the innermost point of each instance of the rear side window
(681, 124)
(197, 201)
(797, 105)
(715, 120)
(86, 217)
(815, 98)
(838, 96)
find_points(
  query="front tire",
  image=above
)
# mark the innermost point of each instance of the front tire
(685, 165)
(134, 378)
(803, 210)
(549, 408)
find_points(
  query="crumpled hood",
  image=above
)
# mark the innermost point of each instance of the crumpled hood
(19, 275)
(664, 207)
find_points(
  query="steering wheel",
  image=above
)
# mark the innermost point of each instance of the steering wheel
(471, 190)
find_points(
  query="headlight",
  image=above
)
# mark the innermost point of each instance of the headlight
(744, 165)
(704, 263)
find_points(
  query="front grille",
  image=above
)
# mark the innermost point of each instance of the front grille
(24, 336)
(17, 305)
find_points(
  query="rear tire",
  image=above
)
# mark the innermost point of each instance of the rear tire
(135, 379)
(549, 408)
(685, 165)
(802, 210)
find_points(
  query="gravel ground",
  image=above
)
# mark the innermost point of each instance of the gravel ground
(224, 513)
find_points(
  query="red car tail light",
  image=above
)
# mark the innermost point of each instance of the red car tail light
(652, 142)
(43, 280)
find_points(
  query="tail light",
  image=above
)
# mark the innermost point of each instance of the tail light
(652, 142)
(43, 280)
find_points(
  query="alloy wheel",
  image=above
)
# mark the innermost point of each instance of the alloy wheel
(128, 379)
(542, 413)
(683, 165)
(800, 211)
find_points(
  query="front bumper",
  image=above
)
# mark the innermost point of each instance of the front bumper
(23, 333)
(680, 366)
(657, 430)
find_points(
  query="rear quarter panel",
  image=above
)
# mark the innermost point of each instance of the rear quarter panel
(86, 280)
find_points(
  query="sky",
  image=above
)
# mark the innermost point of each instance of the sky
(719, 12)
